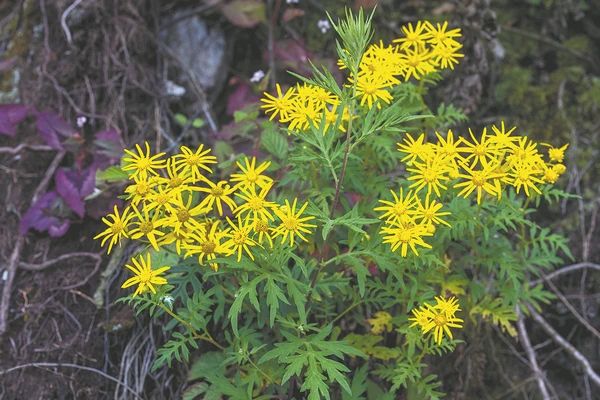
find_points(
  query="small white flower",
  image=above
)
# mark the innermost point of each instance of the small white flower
(168, 300)
(174, 89)
(4, 275)
(81, 120)
(257, 76)
(292, 1)
(323, 25)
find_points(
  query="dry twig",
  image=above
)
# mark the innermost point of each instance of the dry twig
(69, 365)
(539, 375)
(16, 254)
(566, 345)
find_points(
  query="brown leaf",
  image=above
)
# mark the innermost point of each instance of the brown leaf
(291, 13)
(366, 4)
(245, 13)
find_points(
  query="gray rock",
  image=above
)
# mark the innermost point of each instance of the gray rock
(200, 48)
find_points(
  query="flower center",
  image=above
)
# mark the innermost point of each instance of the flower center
(478, 179)
(429, 175)
(143, 163)
(290, 223)
(404, 236)
(142, 188)
(162, 198)
(193, 160)
(183, 215)
(117, 227)
(146, 227)
(261, 226)
(217, 191)
(440, 320)
(208, 247)
(256, 203)
(251, 176)
(239, 238)
(175, 182)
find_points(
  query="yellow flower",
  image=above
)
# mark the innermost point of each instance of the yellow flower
(182, 215)
(525, 177)
(429, 213)
(483, 151)
(502, 138)
(142, 164)
(524, 153)
(404, 236)
(550, 175)
(482, 180)
(263, 230)
(557, 154)
(304, 112)
(208, 245)
(371, 88)
(401, 209)
(382, 322)
(117, 228)
(416, 63)
(431, 173)
(414, 38)
(147, 226)
(161, 199)
(439, 35)
(446, 56)
(255, 204)
(438, 318)
(251, 174)
(218, 193)
(176, 178)
(292, 222)
(191, 162)
(144, 276)
(559, 169)
(280, 105)
(239, 238)
(140, 190)
(415, 149)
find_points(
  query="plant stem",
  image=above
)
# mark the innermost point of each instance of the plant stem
(206, 336)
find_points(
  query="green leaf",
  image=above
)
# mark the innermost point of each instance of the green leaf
(273, 141)
(112, 174)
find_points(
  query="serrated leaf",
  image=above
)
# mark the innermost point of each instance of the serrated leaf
(273, 141)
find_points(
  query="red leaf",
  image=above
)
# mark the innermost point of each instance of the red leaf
(292, 54)
(240, 98)
(50, 126)
(68, 190)
(10, 116)
(292, 13)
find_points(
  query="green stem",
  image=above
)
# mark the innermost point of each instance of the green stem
(206, 336)
(347, 310)
(263, 373)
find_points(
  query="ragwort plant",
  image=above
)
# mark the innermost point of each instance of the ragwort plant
(350, 274)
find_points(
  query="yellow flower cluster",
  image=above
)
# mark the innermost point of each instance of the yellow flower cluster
(382, 321)
(484, 165)
(424, 48)
(438, 318)
(173, 202)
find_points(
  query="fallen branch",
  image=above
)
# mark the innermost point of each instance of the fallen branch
(11, 270)
(565, 270)
(17, 149)
(68, 365)
(539, 375)
(566, 345)
(49, 263)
